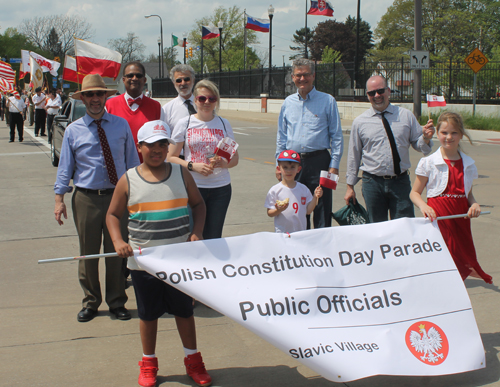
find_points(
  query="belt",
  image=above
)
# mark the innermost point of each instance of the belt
(308, 155)
(388, 177)
(100, 192)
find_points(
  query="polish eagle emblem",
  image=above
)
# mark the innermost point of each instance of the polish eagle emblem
(427, 342)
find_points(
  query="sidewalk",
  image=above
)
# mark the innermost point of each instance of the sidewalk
(42, 344)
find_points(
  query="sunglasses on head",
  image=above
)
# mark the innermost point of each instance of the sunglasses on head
(185, 79)
(131, 75)
(204, 99)
(90, 94)
(378, 91)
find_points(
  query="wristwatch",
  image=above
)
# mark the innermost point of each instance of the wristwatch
(190, 166)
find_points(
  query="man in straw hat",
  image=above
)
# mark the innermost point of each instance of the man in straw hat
(97, 150)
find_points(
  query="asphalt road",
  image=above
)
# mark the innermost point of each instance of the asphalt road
(42, 344)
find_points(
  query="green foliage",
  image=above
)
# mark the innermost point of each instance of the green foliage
(299, 38)
(12, 42)
(330, 55)
(232, 42)
(365, 35)
(336, 35)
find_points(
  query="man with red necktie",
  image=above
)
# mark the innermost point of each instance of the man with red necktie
(96, 151)
(133, 105)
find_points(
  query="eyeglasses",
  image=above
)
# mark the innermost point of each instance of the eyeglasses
(303, 75)
(185, 79)
(131, 75)
(204, 99)
(90, 94)
(378, 91)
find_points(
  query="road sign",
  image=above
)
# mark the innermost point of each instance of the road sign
(419, 59)
(476, 60)
(15, 60)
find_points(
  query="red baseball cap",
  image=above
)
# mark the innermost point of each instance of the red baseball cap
(289, 155)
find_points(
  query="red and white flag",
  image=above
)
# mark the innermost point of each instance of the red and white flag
(226, 148)
(25, 64)
(6, 72)
(69, 71)
(435, 100)
(8, 87)
(94, 59)
(47, 65)
(328, 180)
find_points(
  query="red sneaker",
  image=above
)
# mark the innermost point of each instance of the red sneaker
(149, 368)
(196, 369)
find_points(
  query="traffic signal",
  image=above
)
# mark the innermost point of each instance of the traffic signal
(191, 52)
(186, 54)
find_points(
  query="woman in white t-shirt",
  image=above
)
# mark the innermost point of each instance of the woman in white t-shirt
(199, 135)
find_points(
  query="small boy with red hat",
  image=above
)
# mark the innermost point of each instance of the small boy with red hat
(289, 201)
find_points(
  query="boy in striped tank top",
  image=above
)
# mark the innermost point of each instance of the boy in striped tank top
(156, 195)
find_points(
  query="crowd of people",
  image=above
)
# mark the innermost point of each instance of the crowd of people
(146, 175)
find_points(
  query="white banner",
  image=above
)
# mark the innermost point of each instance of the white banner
(348, 302)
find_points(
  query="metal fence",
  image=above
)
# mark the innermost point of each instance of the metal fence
(453, 79)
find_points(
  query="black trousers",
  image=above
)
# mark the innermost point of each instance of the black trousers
(309, 176)
(16, 119)
(50, 120)
(40, 116)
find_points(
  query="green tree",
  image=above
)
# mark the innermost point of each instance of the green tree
(299, 38)
(330, 55)
(12, 42)
(335, 35)
(170, 57)
(365, 35)
(232, 42)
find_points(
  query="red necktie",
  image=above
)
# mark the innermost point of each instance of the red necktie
(108, 157)
(131, 101)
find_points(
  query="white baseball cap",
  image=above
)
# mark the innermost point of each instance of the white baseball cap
(153, 131)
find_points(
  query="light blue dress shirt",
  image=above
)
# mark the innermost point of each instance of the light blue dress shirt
(81, 152)
(311, 124)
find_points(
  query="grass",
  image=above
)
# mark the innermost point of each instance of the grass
(471, 122)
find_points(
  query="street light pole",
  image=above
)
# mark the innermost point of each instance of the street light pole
(221, 26)
(159, 57)
(270, 11)
(161, 36)
(184, 36)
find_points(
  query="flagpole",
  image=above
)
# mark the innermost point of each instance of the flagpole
(460, 216)
(76, 61)
(202, 52)
(305, 39)
(244, 40)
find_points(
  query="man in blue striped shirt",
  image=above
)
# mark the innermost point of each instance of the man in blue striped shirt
(309, 123)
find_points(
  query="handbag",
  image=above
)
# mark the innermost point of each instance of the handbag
(351, 215)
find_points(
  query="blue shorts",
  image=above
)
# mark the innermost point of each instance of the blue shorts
(155, 297)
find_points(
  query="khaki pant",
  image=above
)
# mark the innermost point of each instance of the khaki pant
(89, 213)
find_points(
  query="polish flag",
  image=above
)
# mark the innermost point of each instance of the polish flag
(435, 100)
(69, 71)
(328, 180)
(226, 148)
(94, 59)
(46, 65)
(25, 64)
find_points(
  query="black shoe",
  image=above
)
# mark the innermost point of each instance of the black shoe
(121, 313)
(21, 140)
(11, 140)
(43, 135)
(86, 314)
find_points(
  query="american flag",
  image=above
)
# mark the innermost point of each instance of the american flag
(6, 72)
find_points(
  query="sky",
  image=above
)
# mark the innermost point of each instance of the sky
(113, 19)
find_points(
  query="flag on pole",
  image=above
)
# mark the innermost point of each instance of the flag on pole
(8, 87)
(320, 8)
(226, 148)
(6, 72)
(94, 59)
(435, 100)
(36, 79)
(209, 32)
(328, 180)
(46, 65)
(175, 41)
(261, 25)
(69, 71)
(25, 64)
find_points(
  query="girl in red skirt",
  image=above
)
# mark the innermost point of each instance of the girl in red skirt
(448, 174)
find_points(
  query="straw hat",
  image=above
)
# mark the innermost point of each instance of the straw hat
(93, 82)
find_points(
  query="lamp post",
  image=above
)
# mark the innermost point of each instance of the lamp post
(221, 26)
(270, 11)
(159, 57)
(184, 36)
(161, 42)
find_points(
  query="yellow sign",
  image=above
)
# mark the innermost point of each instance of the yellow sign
(476, 60)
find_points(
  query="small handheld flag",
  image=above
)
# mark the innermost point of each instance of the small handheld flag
(328, 180)
(435, 100)
(226, 148)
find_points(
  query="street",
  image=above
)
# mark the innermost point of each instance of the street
(42, 344)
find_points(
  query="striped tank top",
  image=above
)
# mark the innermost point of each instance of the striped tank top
(158, 213)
